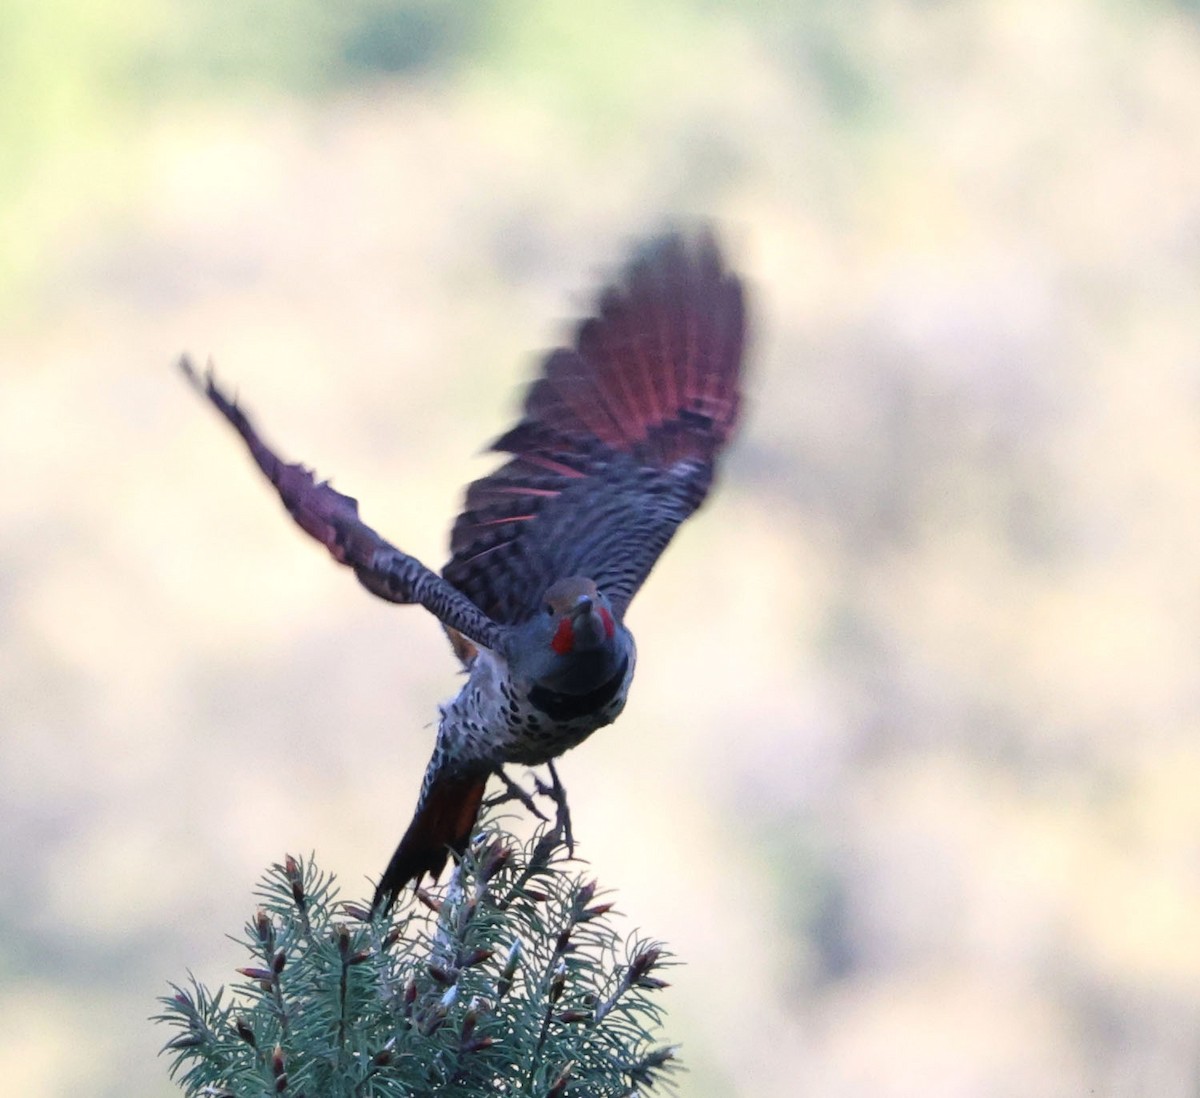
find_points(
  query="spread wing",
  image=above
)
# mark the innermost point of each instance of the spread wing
(618, 439)
(332, 519)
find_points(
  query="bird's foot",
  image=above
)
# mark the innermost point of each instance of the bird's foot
(554, 791)
(513, 792)
(562, 814)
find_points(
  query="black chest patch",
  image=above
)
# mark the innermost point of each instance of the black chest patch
(569, 707)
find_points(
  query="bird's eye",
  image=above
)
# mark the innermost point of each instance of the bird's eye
(549, 610)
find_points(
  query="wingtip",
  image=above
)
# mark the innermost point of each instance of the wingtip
(204, 382)
(692, 246)
(185, 366)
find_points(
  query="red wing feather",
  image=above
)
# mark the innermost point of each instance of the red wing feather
(618, 438)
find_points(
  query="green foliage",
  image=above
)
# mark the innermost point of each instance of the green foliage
(510, 979)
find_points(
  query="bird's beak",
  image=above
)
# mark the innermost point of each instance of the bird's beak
(587, 625)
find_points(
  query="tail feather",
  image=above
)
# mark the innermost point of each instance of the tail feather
(444, 820)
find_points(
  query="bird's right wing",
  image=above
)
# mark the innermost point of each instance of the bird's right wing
(332, 519)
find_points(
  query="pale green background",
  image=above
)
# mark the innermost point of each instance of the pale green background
(909, 773)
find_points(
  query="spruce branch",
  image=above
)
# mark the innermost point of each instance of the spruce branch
(509, 979)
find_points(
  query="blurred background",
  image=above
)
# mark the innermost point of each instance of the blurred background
(909, 774)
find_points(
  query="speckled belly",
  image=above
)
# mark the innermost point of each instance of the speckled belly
(495, 721)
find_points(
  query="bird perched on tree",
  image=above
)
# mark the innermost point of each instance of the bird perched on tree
(616, 447)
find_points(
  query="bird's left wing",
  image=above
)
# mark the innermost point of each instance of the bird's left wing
(618, 440)
(332, 519)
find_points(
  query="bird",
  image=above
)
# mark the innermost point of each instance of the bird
(616, 445)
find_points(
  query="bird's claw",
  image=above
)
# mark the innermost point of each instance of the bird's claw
(553, 791)
(562, 816)
(513, 792)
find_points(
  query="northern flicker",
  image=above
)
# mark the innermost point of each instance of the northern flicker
(615, 448)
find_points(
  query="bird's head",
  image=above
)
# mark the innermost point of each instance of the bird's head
(574, 642)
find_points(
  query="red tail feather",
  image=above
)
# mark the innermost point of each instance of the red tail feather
(443, 823)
